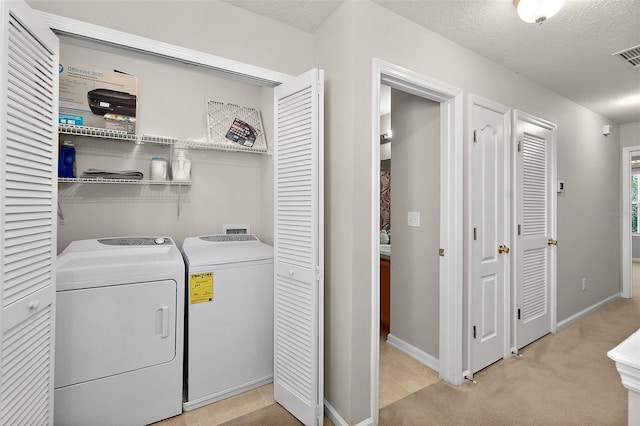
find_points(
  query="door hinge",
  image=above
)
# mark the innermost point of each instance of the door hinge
(475, 136)
(474, 331)
(441, 252)
(519, 146)
(475, 234)
(518, 313)
(318, 273)
(319, 412)
(519, 230)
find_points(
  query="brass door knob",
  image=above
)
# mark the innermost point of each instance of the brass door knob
(552, 242)
(503, 249)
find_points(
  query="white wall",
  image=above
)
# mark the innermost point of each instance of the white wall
(210, 26)
(630, 134)
(415, 161)
(227, 188)
(346, 353)
(589, 244)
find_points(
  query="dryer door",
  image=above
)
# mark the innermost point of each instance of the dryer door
(111, 330)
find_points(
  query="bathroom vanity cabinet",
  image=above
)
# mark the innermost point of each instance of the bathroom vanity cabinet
(385, 290)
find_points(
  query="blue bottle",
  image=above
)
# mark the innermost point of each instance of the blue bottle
(66, 160)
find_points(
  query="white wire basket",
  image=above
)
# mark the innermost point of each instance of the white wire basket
(221, 117)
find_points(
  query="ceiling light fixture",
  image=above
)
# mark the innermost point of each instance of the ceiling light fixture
(537, 11)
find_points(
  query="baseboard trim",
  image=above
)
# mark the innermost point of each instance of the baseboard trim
(218, 396)
(583, 313)
(337, 420)
(415, 353)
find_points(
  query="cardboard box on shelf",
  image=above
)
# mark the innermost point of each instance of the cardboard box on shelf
(94, 97)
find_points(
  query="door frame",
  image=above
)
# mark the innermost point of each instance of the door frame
(451, 217)
(625, 238)
(474, 99)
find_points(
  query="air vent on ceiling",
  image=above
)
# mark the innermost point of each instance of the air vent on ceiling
(630, 56)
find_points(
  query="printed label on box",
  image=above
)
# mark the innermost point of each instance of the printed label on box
(200, 287)
(71, 120)
(91, 94)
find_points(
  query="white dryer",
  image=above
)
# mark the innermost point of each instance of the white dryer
(119, 332)
(229, 331)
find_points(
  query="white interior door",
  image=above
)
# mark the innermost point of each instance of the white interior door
(489, 214)
(299, 246)
(535, 207)
(28, 183)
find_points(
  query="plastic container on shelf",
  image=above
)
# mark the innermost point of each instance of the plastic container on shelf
(158, 168)
(180, 167)
(67, 160)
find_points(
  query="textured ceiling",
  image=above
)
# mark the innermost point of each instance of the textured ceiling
(570, 54)
(306, 15)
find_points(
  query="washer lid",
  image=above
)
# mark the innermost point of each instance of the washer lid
(213, 250)
(94, 263)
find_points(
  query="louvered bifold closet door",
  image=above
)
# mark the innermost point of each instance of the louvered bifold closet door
(298, 247)
(28, 169)
(533, 197)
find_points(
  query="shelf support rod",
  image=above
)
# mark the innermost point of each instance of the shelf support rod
(179, 199)
(60, 214)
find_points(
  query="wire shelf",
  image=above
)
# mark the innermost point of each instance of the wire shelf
(96, 132)
(220, 120)
(124, 181)
(220, 145)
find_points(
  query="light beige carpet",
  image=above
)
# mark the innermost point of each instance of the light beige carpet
(562, 379)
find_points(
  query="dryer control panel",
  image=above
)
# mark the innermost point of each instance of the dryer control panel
(137, 241)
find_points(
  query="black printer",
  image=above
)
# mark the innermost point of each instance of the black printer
(103, 101)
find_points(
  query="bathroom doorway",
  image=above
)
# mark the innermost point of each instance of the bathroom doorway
(446, 254)
(409, 265)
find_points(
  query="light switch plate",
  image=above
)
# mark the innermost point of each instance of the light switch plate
(413, 219)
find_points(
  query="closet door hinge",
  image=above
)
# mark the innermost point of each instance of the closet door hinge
(474, 331)
(319, 411)
(441, 252)
(518, 313)
(318, 273)
(475, 136)
(475, 234)
(519, 230)
(519, 146)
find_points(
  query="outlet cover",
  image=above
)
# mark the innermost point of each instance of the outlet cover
(413, 219)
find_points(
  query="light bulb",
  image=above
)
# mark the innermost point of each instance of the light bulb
(537, 11)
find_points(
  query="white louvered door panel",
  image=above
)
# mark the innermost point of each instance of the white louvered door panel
(298, 247)
(534, 211)
(28, 172)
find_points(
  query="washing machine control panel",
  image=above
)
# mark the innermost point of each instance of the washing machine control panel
(226, 238)
(137, 241)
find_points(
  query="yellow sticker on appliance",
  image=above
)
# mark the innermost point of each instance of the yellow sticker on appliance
(201, 287)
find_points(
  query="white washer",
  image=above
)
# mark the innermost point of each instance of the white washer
(229, 334)
(119, 331)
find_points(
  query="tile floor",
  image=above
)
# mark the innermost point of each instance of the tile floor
(400, 375)
(225, 410)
